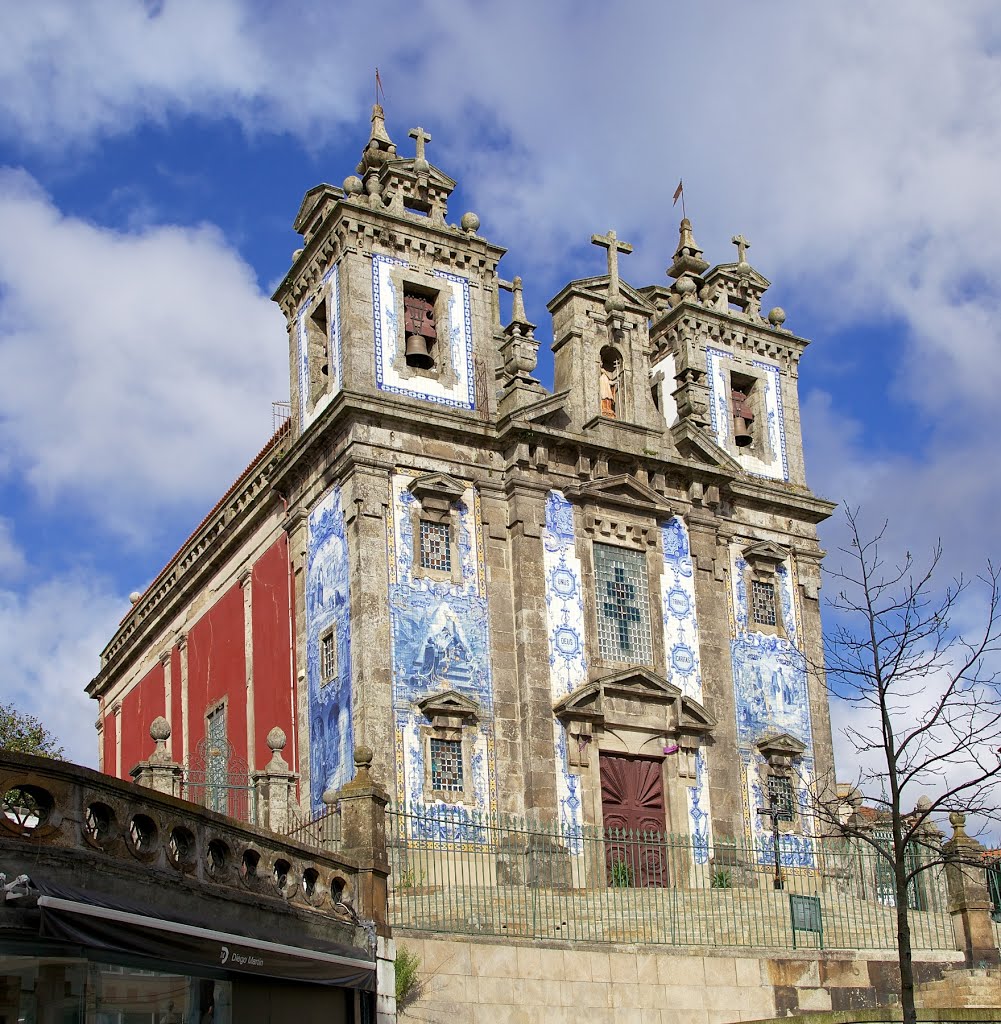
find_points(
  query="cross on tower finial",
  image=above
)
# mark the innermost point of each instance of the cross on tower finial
(422, 137)
(614, 246)
(742, 245)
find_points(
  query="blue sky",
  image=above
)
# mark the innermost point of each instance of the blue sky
(153, 156)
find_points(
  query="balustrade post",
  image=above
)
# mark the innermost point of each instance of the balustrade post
(160, 772)
(274, 788)
(969, 899)
(363, 838)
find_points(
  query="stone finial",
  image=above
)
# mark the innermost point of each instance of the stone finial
(470, 223)
(353, 185)
(363, 758)
(742, 245)
(276, 739)
(688, 261)
(958, 822)
(329, 797)
(379, 134)
(379, 148)
(159, 731)
(611, 242)
(134, 597)
(777, 316)
(517, 301)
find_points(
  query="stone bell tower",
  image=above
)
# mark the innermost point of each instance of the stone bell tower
(385, 297)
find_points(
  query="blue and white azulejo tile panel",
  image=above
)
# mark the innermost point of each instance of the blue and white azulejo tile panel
(329, 282)
(331, 743)
(681, 648)
(565, 623)
(387, 310)
(776, 466)
(440, 636)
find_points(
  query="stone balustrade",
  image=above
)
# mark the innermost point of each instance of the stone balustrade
(63, 810)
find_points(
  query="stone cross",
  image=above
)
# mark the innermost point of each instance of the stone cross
(421, 136)
(742, 245)
(614, 247)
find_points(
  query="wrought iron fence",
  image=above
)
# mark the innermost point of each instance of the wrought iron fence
(323, 831)
(215, 778)
(453, 871)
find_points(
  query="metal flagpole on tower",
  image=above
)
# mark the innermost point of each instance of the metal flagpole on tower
(679, 193)
(378, 87)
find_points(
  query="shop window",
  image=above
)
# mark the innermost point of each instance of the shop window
(622, 600)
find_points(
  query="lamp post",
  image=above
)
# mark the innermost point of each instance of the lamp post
(777, 811)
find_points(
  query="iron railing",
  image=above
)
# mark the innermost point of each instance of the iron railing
(456, 872)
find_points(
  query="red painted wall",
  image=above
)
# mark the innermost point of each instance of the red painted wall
(175, 716)
(140, 706)
(273, 700)
(217, 670)
(110, 744)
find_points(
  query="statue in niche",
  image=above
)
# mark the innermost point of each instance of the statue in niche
(608, 382)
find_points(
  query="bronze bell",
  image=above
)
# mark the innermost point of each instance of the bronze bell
(742, 435)
(743, 417)
(417, 353)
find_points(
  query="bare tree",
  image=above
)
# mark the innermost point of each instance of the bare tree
(927, 721)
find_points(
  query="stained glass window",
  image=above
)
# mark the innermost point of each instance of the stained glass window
(623, 603)
(446, 765)
(763, 603)
(436, 549)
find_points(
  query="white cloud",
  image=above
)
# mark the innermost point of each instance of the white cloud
(12, 560)
(137, 370)
(50, 636)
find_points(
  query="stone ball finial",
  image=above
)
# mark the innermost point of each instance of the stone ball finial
(777, 316)
(470, 222)
(329, 797)
(958, 822)
(276, 739)
(159, 729)
(684, 286)
(363, 757)
(353, 185)
(134, 597)
(296, 254)
(743, 269)
(923, 804)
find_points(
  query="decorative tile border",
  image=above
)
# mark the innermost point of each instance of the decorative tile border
(334, 364)
(385, 308)
(778, 468)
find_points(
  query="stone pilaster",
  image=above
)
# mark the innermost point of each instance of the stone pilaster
(274, 788)
(969, 900)
(363, 838)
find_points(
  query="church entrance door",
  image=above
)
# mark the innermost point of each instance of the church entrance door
(632, 809)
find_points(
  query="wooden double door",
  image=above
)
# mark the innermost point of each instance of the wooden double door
(632, 807)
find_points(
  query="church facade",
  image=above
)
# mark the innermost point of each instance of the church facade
(596, 604)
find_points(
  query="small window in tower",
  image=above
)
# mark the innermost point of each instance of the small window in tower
(319, 349)
(744, 401)
(446, 765)
(781, 798)
(420, 328)
(436, 546)
(763, 603)
(328, 657)
(608, 382)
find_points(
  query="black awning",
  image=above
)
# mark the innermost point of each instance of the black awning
(95, 924)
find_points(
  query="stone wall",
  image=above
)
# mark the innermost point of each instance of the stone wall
(482, 982)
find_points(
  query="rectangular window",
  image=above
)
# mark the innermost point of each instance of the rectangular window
(763, 603)
(623, 602)
(328, 656)
(436, 546)
(781, 798)
(446, 765)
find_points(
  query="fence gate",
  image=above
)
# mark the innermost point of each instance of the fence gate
(215, 778)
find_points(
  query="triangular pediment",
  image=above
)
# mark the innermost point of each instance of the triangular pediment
(315, 197)
(641, 683)
(696, 444)
(550, 411)
(623, 491)
(783, 745)
(435, 175)
(694, 717)
(596, 288)
(437, 485)
(448, 703)
(729, 270)
(765, 552)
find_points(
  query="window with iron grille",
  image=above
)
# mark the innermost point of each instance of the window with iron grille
(623, 602)
(763, 603)
(328, 656)
(446, 765)
(436, 546)
(781, 797)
